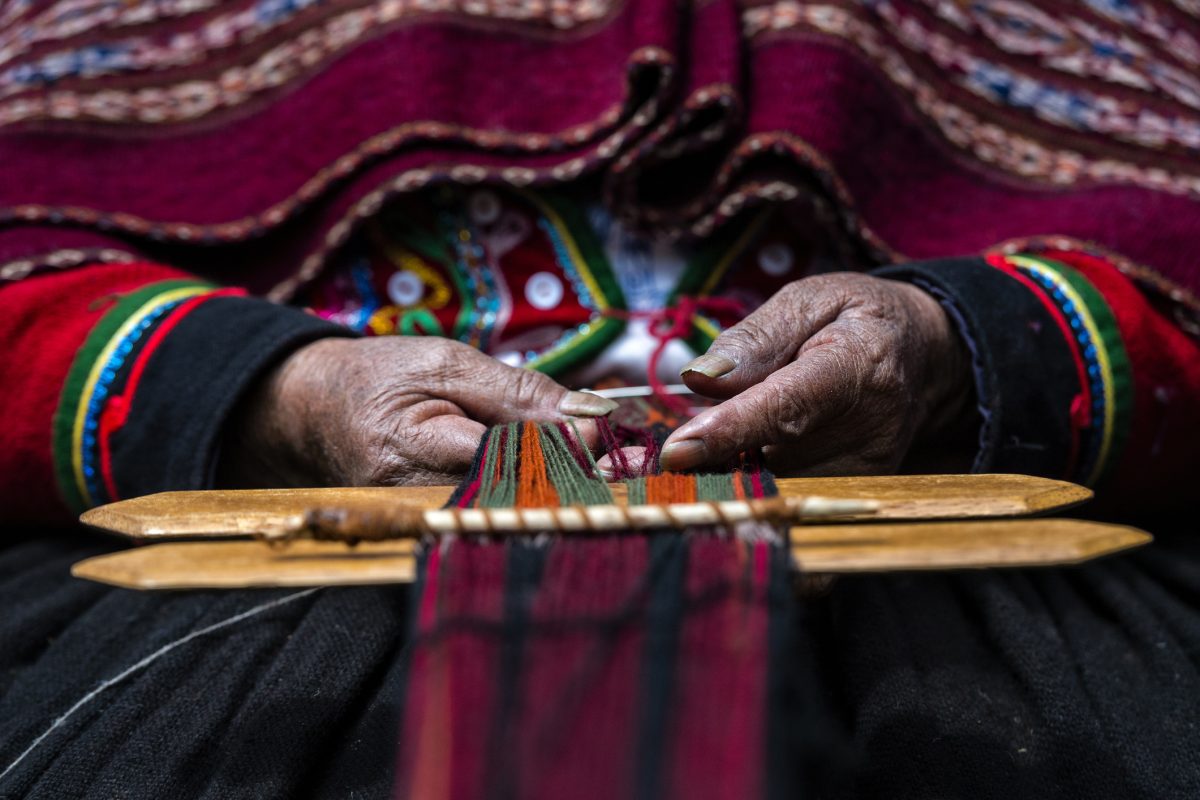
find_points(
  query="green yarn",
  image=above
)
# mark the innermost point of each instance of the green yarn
(587, 452)
(501, 470)
(573, 485)
(500, 491)
(576, 485)
(711, 487)
(714, 487)
(489, 467)
(506, 488)
(636, 488)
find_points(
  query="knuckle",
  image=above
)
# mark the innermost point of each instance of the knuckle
(783, 423)
(871, 311)
(454, 363)
(838, 283)
(875, 352)
(392, 471)
(794, 291)
(784, 414)
(395, 452)
(381, 453)
(869, 360)
(526, 387)
(747, 335)
(369, 422)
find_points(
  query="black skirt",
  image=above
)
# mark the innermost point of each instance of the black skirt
(1061, 683)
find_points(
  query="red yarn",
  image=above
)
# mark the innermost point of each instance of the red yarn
(576, 449)
(675, 322)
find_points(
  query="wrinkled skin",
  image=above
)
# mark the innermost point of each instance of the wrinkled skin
(837, 374)
(841, 374)
(385, 412)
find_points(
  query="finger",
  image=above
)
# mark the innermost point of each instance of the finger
(763, 342)
(781, 409)
(635, 459)
(494, 392)
(448, 443)
(430, 438)
(424, 478)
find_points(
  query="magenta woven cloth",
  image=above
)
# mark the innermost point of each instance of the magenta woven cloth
(249, 138)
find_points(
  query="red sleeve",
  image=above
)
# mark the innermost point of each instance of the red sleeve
(1156, 464)
(1081, 373)
(118, 378)
(44, 321)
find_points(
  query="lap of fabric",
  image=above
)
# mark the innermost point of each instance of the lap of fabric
(1067, 683)
(299, 699)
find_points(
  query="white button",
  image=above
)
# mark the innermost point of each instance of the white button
(405, 288)
(544, 291)
(483, 208)
(776, 259)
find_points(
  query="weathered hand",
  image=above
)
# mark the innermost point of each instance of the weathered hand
(386, 411)
(836, 374)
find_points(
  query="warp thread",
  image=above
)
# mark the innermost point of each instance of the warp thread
(531, 464)
(630, 665)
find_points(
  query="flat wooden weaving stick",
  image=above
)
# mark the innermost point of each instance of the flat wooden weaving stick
(244, 513)
(828, 549)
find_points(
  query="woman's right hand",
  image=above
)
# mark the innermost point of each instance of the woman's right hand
(384, 412)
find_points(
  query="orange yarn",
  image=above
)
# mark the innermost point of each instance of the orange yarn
(670, 487)
(739, 489)
(534, 489)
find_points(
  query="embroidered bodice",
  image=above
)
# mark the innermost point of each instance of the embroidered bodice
(554, 282)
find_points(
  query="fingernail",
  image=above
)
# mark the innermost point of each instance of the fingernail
(583, 404)
(711, 364)
(683, 455)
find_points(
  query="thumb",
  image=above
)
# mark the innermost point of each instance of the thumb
(493, 392)
(766, 340)
(781, 410)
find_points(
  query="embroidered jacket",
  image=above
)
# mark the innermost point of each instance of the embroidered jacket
(120, 376)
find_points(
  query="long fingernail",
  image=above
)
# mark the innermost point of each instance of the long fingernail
(713, 365)
(683, 455)
(584, 404)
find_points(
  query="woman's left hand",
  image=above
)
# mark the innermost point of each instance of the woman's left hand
(836, 374)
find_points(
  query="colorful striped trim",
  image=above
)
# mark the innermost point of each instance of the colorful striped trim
(91, 378)
(115, 412)
(485, 304)
(1098, 338)
(583, 261)
(569, 245)
(1088, 405)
